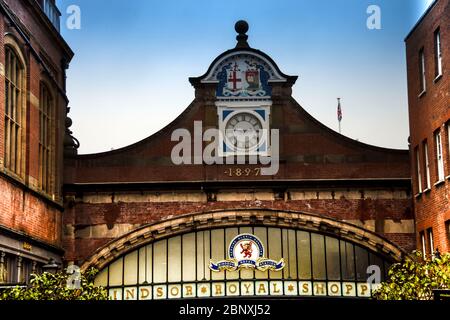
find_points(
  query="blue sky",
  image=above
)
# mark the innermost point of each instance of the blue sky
(129, 76)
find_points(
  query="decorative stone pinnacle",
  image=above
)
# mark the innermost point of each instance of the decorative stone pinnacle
(241, 28)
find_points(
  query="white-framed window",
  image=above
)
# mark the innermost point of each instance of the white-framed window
(438, 52)
(427, 165)
(46, 133)
(430, 240)
(447, 228)
(439, 156)
(14, 111)
(419, 173)
(448, 144)
(422, 70)
(424, 244)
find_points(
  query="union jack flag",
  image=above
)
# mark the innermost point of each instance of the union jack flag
(339, 110)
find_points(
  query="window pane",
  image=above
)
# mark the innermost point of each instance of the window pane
(304, 255)
(347, 261)
(274, 250)
(375, 260)
(333, 268)
(160, 261)
(203, 255)
(217, 250)
(174, 259)
(292, 254)
(230, 233)
(102, 278)
(318, 256)
(419, 174)
(261, 233)
(362, 262)
(115, 272)
(189, 257)
(130, 275)
(145, 264)
(245, 273)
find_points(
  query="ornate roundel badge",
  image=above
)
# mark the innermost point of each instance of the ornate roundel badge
(246, 247)
(246, 251)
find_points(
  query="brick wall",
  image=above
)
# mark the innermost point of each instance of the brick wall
(427, 113)
(23, 207)
(25, 213)
(93, 219)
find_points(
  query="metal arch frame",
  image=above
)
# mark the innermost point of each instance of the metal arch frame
(239, 218)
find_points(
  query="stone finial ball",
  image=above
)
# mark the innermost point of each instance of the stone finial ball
(241, 26)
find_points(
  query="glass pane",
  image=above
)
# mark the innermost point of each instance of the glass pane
(304, 255)
(174, 259)
(285, 255)
(145, 264)
(115, 273)
(230, 233)
(160, 261)
(333, 268)
(347, 261)
(362, 262)
(274, 250)
(203, 255)
(130, 275)
(318, 256)
(292, 261)
(102, 278)
(246, 273)
(217, 250)
(377, 261)
(261, 233)
(189, 257)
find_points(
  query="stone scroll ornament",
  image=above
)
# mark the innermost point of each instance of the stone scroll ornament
(246, 251)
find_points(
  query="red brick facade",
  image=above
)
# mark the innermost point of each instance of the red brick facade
(429, 113)
(27, 213)
(321, 172)
(109, 194)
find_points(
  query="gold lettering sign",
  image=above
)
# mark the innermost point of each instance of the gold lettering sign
(244, 288)
(247, 289)
(27, 246)
(145, 293)
(189, 290)
(349, 289)
(130, 293)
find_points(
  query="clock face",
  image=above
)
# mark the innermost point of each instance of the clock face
(242, 131)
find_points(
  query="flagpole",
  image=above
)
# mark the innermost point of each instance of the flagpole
(339, 113)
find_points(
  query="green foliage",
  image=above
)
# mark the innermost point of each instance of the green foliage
(415, 278)
(49, 286)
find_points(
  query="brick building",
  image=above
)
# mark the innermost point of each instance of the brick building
(167, 217)
(159, 220)
(428, 61)
(33, 107)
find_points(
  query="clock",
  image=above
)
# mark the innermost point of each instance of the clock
(244, 128)
(243, 131)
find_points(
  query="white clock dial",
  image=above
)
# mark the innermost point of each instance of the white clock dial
(242, 131)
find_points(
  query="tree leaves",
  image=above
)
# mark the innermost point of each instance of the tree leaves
(48, 286)
(415, 278)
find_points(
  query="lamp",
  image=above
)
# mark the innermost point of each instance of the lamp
(51, 267)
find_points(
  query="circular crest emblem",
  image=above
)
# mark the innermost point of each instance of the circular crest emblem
(246, 247)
